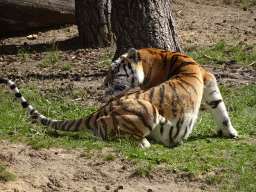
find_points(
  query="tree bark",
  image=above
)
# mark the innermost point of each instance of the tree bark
(93, 20)
(25, 14)
(143, 23)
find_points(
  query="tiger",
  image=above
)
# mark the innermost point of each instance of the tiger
(164, 113)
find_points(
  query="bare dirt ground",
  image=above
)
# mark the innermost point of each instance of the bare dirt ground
(57, 169)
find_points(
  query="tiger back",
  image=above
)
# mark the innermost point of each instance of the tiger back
(144, 68)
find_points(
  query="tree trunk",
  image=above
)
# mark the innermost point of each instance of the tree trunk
(93, 20)
(25, 14)
(143, 23)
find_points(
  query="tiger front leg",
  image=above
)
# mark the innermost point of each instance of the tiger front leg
(213, 100)
(134, 117)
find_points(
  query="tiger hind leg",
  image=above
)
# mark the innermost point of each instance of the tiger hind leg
(213, 100)
(134, 117)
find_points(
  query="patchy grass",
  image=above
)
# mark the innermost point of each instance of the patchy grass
(107, 59)
(4, 174)
(52, 55)
(110, 157)
(226, 163)
(221, 52)
(23, 53)
(65, 66)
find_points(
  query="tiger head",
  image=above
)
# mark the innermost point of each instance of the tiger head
(124, 73)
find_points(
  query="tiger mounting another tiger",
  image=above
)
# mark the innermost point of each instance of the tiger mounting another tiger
(166, 108)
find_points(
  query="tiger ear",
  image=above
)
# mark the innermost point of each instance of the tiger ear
(132, 55)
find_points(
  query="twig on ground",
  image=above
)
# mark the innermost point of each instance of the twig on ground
(208, 57)
(252, 63)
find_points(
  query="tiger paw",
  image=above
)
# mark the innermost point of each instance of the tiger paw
(228, 132)
(144, 143)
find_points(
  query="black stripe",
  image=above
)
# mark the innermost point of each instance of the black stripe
(3, 80)
(130, 66)
(170, 134)
(102, 135)
(180, 84)
(214, 104)
(191, 75)
(113, 115)
(189, 84)
(154, 113)
(57, 125)
(133, 80)
(121, 75)
(185, 133)
(97, 117)
(104, 125)
(134, 128)
(18, 95)
(178, 70)
(13, 86)
(118, 101)
(174, 101)
(144, 106)
(141, 117)
(225, 122)
(78, 123)
(111, 107)
(34, 114)
(178, 126)
(44, 121)
(87, 122)
(24, 104)
(71, 124)
(124, 67)
(162, 89)
(172, 85)
(161, 128)
(105, 111)
(32, 111)
(172, 63)
(213, 92)
(137, 95)
(151, 94)
(62, 127)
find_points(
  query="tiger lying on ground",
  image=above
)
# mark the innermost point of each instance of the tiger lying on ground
(165, 113)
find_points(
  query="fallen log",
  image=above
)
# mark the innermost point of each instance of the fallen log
(26, 14)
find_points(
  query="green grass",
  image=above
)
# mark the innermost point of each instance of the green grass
(52, 55)
(110, 157)
(65, 66)
(227, 163)
(242, 54)
(23, 53)
(107, 59)
(4, 174)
